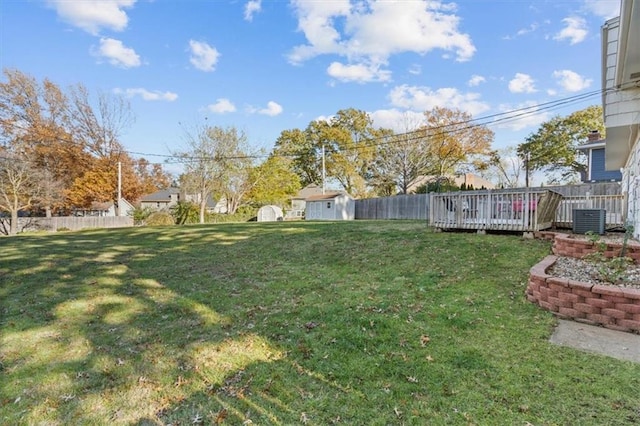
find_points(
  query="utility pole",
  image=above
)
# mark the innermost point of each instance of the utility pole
(527, 158)
(324, 172)
(119, 206)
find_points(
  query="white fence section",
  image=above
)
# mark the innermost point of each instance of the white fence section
(614, 206)
(500, 210)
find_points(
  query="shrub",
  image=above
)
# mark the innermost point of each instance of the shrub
(186, 212)
(161, 218)
(140, 215)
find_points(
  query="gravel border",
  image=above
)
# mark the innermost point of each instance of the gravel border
(589, 272)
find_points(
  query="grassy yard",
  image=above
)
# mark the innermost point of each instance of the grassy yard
(367, 323)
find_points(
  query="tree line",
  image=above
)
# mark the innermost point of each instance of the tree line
(60, 150)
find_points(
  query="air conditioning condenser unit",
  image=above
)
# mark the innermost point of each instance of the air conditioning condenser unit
(589, 220)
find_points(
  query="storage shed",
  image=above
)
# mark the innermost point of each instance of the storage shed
(330, 206)
(270, 214)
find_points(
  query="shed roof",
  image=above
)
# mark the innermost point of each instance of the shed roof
(327, 196)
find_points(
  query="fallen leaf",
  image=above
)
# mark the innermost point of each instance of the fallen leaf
(424, 339)
(221, 416)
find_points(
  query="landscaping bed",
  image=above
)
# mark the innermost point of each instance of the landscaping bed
(614, 305)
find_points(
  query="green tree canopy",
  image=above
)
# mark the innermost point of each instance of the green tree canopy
(274, 182)
(553, 147)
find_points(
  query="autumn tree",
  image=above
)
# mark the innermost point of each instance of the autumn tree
(19, 185)
(454, 139)
(401, 159)
(553, 147)
(351, 141)
(151, 176)
(274, 182)
(34, 120)
(100, 182)
(69, 137)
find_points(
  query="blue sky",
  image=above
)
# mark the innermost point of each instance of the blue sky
(267, 66)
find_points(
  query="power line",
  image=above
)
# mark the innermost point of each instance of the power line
(490, 120)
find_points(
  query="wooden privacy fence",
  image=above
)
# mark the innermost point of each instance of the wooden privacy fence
(72, 223)
(614, 206)
(414, 206)
(498, 210)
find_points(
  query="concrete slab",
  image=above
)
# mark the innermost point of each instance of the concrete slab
(599, 340)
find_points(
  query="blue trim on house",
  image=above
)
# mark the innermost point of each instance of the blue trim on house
(598, 172)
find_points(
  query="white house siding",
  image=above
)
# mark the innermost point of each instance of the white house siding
(621, 107)
(631, 185)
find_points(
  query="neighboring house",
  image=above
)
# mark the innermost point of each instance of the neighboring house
(468, 179)
(167, 198)
(621, 102)
(330, 206)
(298, 203)
(161, 200)
(594, 150)
(106, 209)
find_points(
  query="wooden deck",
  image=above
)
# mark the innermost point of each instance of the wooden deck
(499, 210)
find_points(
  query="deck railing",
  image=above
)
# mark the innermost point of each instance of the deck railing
(614, 206)
(502, 210)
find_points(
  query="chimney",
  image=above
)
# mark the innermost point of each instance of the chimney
(594, 136)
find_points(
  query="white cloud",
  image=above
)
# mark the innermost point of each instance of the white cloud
(476, 80)
(222, 106)
(530, 29)
(361, 73)
(93, 15)
(415, 69)
(147, 95)
(522, 83)
(572, 81)
(605, 9)
(251, 8)
(203, 56)
(424, 99)
(369, 32)
(271, 110)
(396, 119)
(575, 30)
(116, 53)
(521, 116)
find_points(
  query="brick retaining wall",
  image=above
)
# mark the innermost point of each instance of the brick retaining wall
(613, 307)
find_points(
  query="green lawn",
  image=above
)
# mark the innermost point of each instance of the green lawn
(366, 323)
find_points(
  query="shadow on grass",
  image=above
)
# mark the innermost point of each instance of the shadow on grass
(276, 324)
